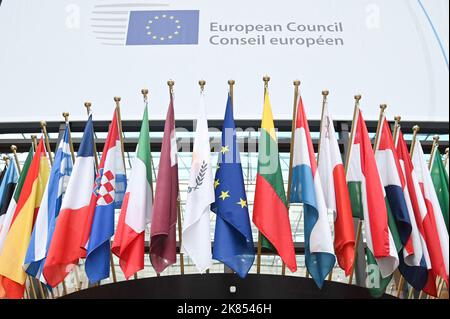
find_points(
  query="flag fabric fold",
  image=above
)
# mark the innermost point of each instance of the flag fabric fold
(196, 240)
(368, 201)
(436, 217)
(136, 211)
(164, 220)
(233, 241)
(412, 265)
(67, 245)
(17, 239)
(439, 177)
(49, 209)
(108, 194)
(306, 188)
(337, 198)
(7, 186)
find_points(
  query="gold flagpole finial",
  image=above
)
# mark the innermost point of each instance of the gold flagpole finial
(436, 139)
(171, 83)
(202, 84)
(296, 82)
(358, 97)
(325, 93)
(66, 116)
(231, 82)
(6, 158)
(383, 107)
(145, 94)
(397, 118)
(416, 129)
(266, 80)
(88, 105)
(13, 148)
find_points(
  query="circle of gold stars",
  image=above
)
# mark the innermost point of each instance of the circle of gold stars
(164, 16)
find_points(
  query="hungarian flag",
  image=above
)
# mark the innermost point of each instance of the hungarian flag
(432, 204)
(412, 265)
(429, 248)
(67, 244)
(109, 188)
(233, 240)
(368, 201)
(49, 209)
(306, 188)
(270, 212)
(163, 241)
(440, 181)
(18, 236)
(337, 198)
(136, 210)
(7, 219)
(7, 186)
(200, 195)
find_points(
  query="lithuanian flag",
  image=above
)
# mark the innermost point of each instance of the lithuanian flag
(270, 212)
(12, 275)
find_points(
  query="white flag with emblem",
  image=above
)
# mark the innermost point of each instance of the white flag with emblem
(196, 240)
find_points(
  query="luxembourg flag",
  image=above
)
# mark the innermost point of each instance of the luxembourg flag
(432, 203)
(109, 190)
(412, 264)
(66, 246)
(307, 189)
(49, 210)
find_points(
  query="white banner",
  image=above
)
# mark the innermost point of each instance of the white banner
(55, 55)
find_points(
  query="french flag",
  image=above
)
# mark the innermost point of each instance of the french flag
(412, 262)
(49, 210)
(307, 189)
(108, 193)
(66, 246)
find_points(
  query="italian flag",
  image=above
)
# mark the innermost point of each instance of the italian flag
(440, 182)
(368, 202)
(270, 212)
(18, 236)
(136, 209)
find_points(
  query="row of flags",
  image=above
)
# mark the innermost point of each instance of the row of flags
(50, 218)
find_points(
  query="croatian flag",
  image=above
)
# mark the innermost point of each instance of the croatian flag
(49, 210)
(307, 189)
(412, 262)
(66, 246)
(108, 192)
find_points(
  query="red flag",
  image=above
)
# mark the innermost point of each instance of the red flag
(164, 220)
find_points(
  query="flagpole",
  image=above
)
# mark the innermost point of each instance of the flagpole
(34, 141)
(88, 105)
(347, 160)
(171, 83)
(397, 119)
(16, 158)
(291, 154)
(446, 157)
(231, 84)
(47, 142)
(416, 130)
(266, 80)
(433, 151)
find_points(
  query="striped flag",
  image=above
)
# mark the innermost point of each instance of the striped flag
(136, 211)
(110, 185)
(429, 249)
(7, 219)
(307, 189)
(18, 237)
(440, 181)
(7, 186)
(368, 200)
(67, 243)
(49, 210)
(270, 212)
(163, 241)
(412, 266)
(432, 204)
(200, 195)
(337, 198)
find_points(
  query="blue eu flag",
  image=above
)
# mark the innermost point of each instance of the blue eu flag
(233, 242)
(163, 27)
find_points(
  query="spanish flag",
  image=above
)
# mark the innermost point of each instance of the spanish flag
(12, 275)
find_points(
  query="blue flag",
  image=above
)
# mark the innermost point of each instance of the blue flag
(163, 27)
(48, 212)
(233, 242)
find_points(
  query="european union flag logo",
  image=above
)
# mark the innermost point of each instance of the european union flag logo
(163, 27)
